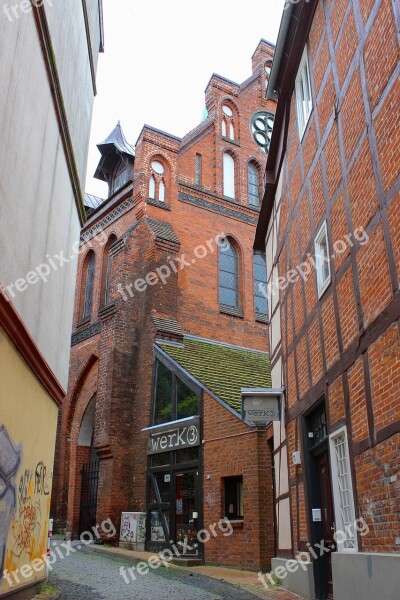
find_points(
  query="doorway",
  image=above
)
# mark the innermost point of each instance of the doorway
(174, 503)
(320, 500)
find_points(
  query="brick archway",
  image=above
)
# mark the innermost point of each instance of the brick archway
(69, 456)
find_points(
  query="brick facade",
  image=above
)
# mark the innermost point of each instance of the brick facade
(113, 349)
(342, 347)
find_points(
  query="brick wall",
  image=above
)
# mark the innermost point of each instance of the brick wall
(345, 171)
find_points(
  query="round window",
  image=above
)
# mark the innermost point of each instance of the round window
(227, 110)
(157, 167)
(261, 125)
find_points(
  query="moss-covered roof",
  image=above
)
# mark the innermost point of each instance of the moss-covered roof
(223, 370)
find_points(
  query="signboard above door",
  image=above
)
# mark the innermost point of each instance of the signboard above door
(176, 435)
(261, 405)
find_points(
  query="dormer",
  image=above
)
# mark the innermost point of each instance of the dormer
(117, 161)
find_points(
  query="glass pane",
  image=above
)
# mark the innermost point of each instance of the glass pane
(152, 188)
(231, 132)
(228, 297)
(163, 399)
(161, 193)
(186, 503)
(228, 280)
(261, 305)
(157, 167)
(157, 531)
(159, 460)
(227, 110)
(223, 128)
(229, 176)
(188, 402)
(163, 482)
(187, 455)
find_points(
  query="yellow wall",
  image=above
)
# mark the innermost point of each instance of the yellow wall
(28, 416)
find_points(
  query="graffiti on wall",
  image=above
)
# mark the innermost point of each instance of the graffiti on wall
(133, 527)
(24, 506)
(10, 460)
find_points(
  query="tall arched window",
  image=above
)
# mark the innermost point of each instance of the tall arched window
(228, 126)
(89, 284)
(161, 191)
(229, 175)
(260, 284)
(228, 275)
(106, 272)
(231, 131)
(253, 185)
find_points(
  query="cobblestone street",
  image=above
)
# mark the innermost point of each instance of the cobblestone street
(88, 575)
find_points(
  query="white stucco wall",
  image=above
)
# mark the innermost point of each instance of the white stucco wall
(38, 214)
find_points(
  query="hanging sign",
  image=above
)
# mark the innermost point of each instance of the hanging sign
(261, 406)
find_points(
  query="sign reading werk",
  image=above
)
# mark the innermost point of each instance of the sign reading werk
(174, 436)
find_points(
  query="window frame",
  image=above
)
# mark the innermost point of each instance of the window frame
(227, 153)
(253, 165)
(322, 284)
(339, 523)
(256, 312)
(303, 77)
(237, 515)
(87, 306)
(237, 306)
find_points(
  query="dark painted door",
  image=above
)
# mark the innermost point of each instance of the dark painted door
(328, 525)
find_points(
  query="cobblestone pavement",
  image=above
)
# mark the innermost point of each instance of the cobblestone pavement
(89, 575)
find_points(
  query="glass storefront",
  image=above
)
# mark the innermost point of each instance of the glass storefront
(174, 482)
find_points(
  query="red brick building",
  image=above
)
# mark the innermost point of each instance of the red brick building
(169, 325)
(330, 223)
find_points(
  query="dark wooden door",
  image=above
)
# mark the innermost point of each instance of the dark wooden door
(328, 524)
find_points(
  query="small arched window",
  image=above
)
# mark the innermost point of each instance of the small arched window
(223, 127)
(106, 272)
(157, 187)
(152, 188)
(89, 284)
(228, 126)
(161, 191)
(228, 275)
(253, 185)
(260, 284)
(229, 175)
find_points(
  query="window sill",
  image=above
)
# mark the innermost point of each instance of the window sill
(83, 322)
(231, 310)
(236, 523)
(226, 139)
(159, 204)
(260, 318)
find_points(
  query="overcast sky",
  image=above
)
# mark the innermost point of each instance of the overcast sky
(159, 56)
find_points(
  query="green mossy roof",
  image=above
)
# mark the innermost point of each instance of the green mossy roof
(224, 370)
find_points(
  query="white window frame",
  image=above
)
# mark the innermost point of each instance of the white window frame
(319, 261)
(337, 497)
(229, 175)
(304, 105)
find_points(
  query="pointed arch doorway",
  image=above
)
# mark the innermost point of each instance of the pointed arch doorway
(89, 471)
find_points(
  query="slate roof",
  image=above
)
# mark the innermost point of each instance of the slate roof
(162, 230)
(222, 369)
(93, 202)
(117, 140)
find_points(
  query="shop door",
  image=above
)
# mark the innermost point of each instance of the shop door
(328, 525)
(187, 507)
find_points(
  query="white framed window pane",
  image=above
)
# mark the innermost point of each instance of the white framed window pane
(343, 492)
(227, 110)
(223, 128)
(161, 191)
(229, 175)
(231, 131)
(322, 259)
(303, 94)
(152, 187)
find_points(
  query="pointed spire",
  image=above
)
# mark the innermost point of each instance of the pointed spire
(117, 140)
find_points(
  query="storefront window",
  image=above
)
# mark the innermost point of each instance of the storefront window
(188, 402)
(163, 404)
(164, 486)
(187, 455)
